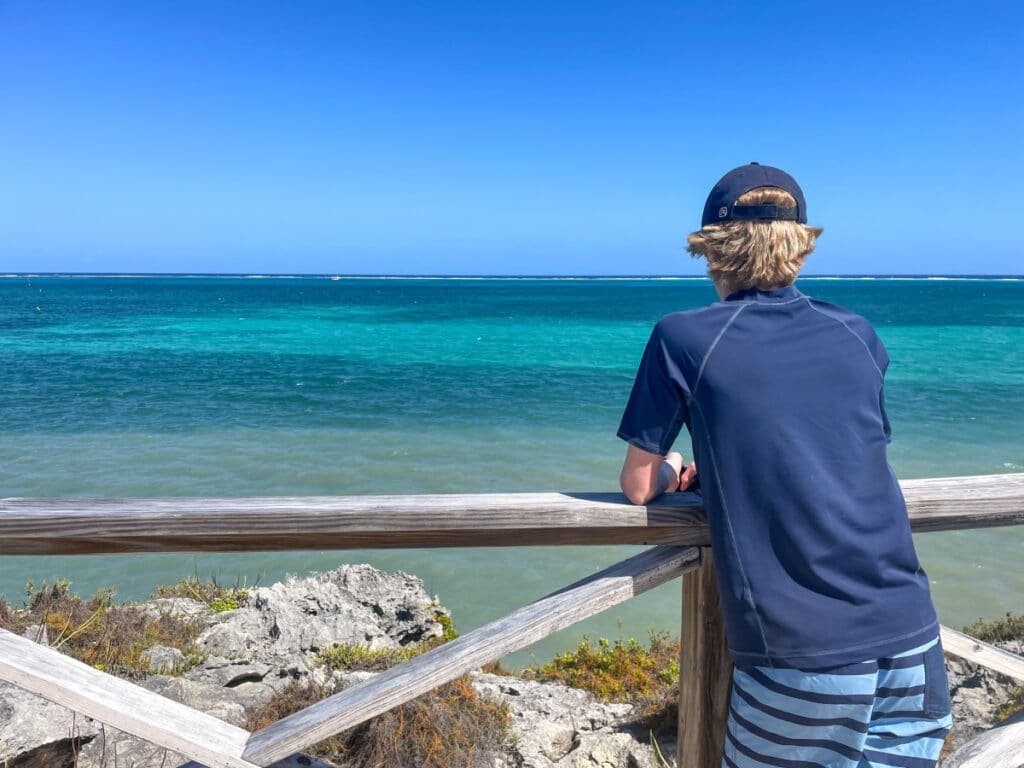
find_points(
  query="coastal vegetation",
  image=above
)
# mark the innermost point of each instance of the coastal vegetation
(645, 675)
(106, 635)
(1002, 630)
(452, 725)
(449, 726)
(217, 597)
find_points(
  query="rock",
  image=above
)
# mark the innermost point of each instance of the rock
(555, 725)
(228, 673)
(612, 750)
(300, 617)
(35, 733)
(976, 693)
(114, 747)
(228, 704)
(37, 633)
(163, 660)
(179, 607)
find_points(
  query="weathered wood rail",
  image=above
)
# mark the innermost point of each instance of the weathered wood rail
(107, 526)
(674, 523)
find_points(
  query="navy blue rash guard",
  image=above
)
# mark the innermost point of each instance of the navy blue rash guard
(782, 396)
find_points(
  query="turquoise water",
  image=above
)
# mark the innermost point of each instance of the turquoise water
(168, 386)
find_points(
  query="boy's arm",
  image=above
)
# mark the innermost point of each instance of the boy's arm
(645, 476)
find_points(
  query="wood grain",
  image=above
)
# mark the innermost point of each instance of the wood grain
(971, 649)
(520, 628)
(105, 526)
(120, 704)
(705, 671)
(1000, 747)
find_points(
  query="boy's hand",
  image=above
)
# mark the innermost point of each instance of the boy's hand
(688, 476)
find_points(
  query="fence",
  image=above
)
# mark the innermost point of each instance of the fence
(674, 524)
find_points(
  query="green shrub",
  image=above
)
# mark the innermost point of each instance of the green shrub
(1009, 627)
(344, 656)
(619, 671)
(218, 598)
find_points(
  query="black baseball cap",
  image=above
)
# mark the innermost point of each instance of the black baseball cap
(721, 204)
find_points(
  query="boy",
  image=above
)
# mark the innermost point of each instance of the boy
(828, 615)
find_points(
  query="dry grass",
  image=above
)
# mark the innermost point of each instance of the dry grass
(291, 699)
(448, 727)
(97, 631)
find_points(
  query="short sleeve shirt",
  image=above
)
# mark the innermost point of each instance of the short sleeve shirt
(782, 397)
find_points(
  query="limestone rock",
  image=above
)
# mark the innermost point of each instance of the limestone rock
(976, 693)
(555, 725)
(300, 617)
(228, 673)
(35, 733)
(163, 660)
(179, 607)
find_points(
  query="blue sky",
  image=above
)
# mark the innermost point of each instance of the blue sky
(516, 138)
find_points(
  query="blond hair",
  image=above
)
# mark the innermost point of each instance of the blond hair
(751, 253)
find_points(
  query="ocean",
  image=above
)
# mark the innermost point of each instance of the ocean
(250, 385)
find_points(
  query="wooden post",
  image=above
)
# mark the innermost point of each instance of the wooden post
(705, 671)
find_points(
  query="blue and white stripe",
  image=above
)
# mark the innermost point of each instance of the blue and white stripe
(872, 714)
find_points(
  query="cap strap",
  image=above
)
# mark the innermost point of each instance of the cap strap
(779, 212)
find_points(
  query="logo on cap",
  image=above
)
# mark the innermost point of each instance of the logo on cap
(723, 211)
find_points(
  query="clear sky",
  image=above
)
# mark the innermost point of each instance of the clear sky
(513, 138)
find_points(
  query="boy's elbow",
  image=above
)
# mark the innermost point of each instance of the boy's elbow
(635, 495)
(637, 498)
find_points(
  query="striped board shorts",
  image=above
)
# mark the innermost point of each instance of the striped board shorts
(891, 712)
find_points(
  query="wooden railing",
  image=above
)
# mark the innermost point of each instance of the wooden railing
(674, 524)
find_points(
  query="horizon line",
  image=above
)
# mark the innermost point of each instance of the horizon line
(497, 276)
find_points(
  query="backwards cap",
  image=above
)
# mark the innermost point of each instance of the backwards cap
(721, 204)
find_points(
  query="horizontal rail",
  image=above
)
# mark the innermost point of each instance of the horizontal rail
(526, 625)
(35, 526)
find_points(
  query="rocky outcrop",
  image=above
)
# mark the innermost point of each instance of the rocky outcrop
(253, 651)
(976, 694)
(300, 617)
(555, 725)
(273, 638)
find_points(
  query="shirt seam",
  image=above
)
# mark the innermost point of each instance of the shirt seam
(714, 344)
(732, 537)
(848, 648)
(852, 332)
